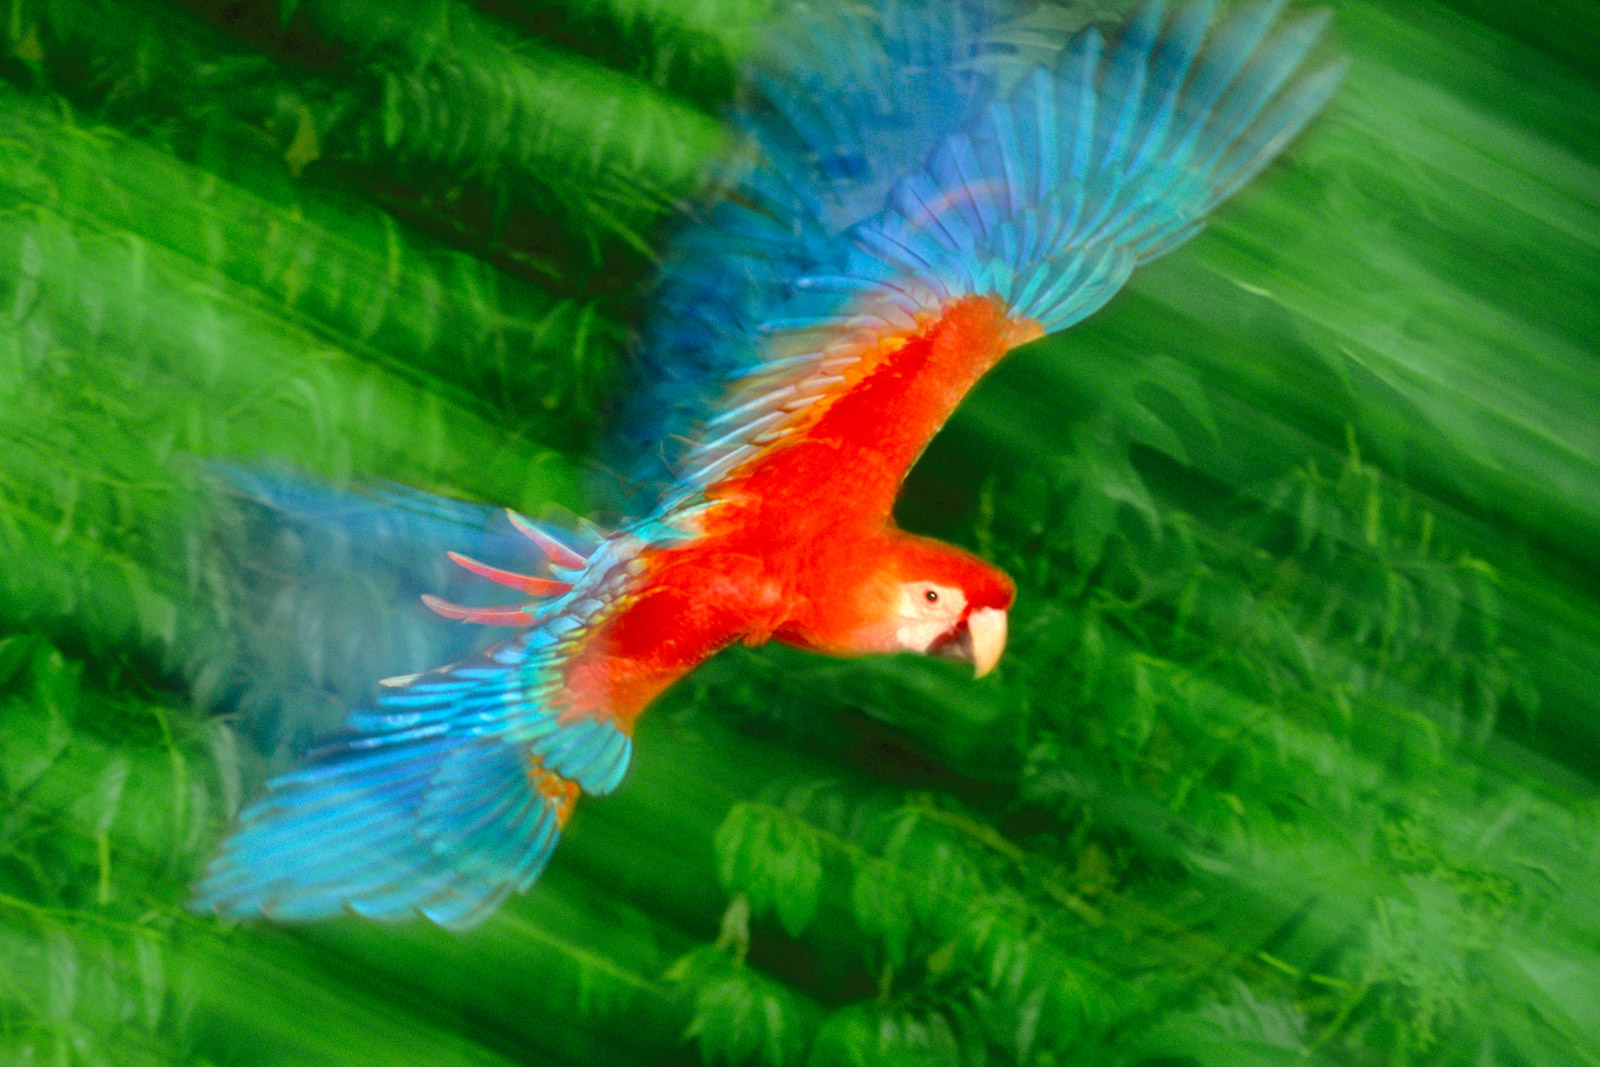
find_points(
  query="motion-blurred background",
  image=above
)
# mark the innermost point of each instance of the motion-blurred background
(1293, 757)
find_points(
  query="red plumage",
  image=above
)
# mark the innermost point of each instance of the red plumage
(799, 543)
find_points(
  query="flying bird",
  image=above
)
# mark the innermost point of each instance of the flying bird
(922, 189)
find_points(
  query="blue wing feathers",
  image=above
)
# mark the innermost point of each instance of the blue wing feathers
(427, 803)
(894, 156)
(446, 791)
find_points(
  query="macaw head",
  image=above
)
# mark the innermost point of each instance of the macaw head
(940, 601)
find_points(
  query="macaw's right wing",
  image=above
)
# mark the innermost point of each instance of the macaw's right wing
(449, 792)
(910, 161)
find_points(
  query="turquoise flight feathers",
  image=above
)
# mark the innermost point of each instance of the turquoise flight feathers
(440, 799)
(915, 142)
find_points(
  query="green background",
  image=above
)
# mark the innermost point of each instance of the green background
(1293, 757)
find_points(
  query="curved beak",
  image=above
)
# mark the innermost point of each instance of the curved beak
(986, 630)
(979, 643)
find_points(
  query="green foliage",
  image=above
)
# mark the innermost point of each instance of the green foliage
(773, 861)
(1292, 758)
(90, 971)
(960, 970)
(740, 1016)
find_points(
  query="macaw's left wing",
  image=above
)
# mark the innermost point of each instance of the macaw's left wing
(866, 296)
(449, 792)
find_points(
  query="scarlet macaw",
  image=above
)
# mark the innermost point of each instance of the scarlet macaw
(926, 197)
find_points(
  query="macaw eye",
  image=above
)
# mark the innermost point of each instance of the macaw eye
(931, 596)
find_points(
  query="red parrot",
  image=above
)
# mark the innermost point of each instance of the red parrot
(924, 197)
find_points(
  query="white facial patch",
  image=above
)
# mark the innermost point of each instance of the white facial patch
(928, 610)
